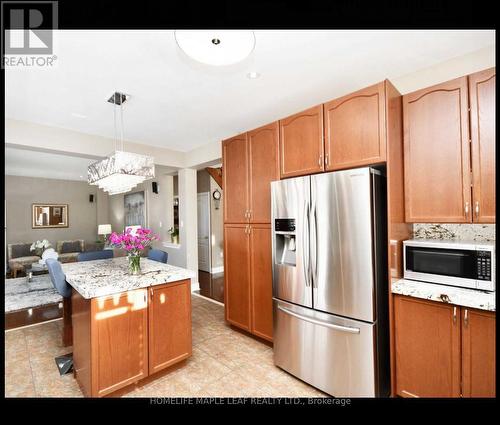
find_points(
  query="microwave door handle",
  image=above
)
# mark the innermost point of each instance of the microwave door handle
(320, 322)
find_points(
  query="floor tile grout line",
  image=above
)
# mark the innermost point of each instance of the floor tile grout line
(33, 382)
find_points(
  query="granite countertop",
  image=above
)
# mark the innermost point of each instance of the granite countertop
(105, 277)
(472, 298)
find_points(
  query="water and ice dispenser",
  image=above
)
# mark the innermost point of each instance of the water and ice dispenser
(285, 241)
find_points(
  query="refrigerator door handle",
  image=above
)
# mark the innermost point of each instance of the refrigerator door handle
(314, 245)
(320, 322)
(305, 245)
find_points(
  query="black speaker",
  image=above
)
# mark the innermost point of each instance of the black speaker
(91, 198)
(155, 187)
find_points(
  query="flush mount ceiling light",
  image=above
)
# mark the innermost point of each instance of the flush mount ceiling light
(121, 171)
(253, 75)
(217, 48)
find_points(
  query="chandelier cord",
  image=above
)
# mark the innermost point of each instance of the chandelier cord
(121, 119)
(114, 124)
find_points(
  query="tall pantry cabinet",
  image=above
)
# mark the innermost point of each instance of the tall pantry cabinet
(250, 163)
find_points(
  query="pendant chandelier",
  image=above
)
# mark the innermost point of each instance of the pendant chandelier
(121, 171)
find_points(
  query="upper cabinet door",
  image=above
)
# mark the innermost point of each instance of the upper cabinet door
(436, 150)
(482, 119)
(235, 175)
(355, 129)
(263, 161)
(301, 143)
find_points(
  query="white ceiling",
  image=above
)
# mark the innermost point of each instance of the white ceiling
(180, 104)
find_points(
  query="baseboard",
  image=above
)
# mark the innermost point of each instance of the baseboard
(195, 285)
(219, 269)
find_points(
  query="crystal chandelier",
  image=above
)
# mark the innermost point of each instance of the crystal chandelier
(121, 171)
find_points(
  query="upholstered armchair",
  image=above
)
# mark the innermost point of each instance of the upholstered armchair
(68, 250)
(19, 256)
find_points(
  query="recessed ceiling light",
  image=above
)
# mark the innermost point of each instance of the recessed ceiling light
(253, 75)
(216, 48)
(77, 115)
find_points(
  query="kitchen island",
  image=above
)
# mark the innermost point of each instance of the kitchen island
(126, 328)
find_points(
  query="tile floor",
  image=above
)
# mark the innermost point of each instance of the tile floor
(225, 363)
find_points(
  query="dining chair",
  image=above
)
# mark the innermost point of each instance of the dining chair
(158, 255)
(95, 255)
(58, 279)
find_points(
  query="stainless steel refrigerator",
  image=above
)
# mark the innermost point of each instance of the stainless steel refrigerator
(329, 244)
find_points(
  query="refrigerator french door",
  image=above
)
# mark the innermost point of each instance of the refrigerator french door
(330, 281)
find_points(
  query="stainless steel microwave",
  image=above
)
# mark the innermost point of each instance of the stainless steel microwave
(456, 263)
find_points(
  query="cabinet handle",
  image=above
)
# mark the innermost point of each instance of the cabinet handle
(320, 160)
(249, 213)
(466, 209)
(326, 159)
(466, 318)
(476, 209)
(454, 315)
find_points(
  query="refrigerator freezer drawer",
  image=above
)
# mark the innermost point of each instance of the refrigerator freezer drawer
(333, 354)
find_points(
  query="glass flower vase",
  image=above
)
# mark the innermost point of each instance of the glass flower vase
(134, 264)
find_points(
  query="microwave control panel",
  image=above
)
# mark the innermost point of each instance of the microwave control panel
(483, 265)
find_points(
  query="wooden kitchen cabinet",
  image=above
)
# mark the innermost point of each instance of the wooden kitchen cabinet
(235, 179)
(122, 338)
(436, 154)
(169, 324)
(247, 253)
(355, 130)
(478, 353)
(427, 336)
(301, 143)
(482, 131)
(237, 275)
(248, 278)
(263, 169)
(119, 333)
(261, 281)
(443, 350)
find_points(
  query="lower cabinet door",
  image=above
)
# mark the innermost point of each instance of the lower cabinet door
(237, 275)
(119, 341)
(478, 353)
(169, 325)
(427, 337)
(262, 281)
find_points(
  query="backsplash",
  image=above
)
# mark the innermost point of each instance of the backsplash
(471, 232)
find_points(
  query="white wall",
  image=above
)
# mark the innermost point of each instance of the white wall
(448, 70)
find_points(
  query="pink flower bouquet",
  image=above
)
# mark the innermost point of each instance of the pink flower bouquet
(134, 244)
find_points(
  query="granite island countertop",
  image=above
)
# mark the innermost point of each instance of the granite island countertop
(99, 278)
(465, 297)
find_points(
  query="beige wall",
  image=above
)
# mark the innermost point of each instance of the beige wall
(22, 192)
(158, 215)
